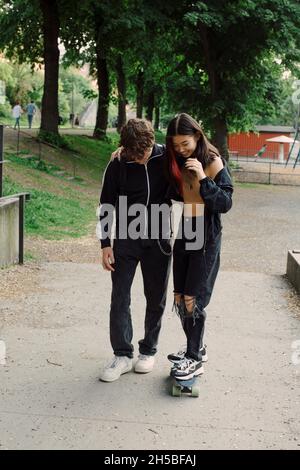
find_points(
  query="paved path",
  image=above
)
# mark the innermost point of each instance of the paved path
(57, 342)
(56, 331)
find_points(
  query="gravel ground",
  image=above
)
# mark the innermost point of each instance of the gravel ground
(263, 224)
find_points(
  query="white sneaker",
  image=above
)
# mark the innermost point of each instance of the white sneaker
(118, 366)
(144, 364)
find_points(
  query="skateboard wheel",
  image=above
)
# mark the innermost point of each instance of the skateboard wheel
(195, 392)
(176, 392)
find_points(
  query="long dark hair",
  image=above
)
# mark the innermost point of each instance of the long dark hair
(205, 152)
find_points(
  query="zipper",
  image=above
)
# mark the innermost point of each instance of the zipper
(148, 185)
(148, 188)
(147, 175)
(148, 198)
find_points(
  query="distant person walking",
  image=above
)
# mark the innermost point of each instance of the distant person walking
(31, 110)
(16, 113)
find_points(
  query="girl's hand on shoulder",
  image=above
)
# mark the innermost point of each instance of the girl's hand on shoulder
(116, 154)
(193, 164)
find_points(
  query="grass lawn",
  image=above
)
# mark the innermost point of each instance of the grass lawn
(61, 206)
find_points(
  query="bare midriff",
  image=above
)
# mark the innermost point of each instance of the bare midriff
(193, 204)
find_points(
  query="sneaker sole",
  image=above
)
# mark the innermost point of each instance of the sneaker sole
(143, 371)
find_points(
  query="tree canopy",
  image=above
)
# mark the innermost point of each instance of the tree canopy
(224, 62)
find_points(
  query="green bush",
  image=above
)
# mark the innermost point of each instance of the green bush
(5, 110)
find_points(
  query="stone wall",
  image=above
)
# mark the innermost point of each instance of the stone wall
(9, 231)
(293, 268)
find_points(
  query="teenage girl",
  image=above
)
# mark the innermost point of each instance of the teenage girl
(198, 177)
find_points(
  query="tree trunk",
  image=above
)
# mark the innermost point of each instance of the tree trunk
(103, 100)
(49, 118)
(157, 118)
(220, 136)
(150, 106)
(140, 94)
(215, 82)
(121, 84)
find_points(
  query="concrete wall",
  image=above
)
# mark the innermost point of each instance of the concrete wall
(293, 269)
(9, 231)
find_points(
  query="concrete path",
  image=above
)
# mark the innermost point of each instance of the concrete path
(57, 341)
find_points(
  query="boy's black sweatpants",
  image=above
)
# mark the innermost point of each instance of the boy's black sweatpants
(155, 266)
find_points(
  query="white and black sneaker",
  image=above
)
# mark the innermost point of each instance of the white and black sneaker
(186, 369)
(178, 357)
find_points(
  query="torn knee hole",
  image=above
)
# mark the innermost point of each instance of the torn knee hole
(177, 297)
(190, 303)
(178, 305)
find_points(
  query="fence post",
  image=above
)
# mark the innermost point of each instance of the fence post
(18, 141)
(21, 229)
(1, 159)
(270, 169)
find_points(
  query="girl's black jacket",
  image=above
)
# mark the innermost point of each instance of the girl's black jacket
(217, 196)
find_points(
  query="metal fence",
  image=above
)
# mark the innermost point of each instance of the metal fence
(267, 173)
(247, 156)
(27, 145)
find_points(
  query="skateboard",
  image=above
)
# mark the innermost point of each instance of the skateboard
(189, 387)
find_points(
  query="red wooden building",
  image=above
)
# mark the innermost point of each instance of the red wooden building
(249, 143)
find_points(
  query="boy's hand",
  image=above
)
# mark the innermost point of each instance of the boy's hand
(116, 154)
(108, 258)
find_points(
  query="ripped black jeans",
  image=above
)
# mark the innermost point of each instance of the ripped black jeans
(194, 275)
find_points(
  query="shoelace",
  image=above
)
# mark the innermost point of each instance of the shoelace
(114, 363)
(185, 364)
(143, 357)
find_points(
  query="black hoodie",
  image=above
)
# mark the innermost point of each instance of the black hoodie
(144, 184)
